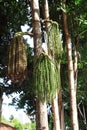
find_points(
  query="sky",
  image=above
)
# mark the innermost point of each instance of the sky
(29, 39)
(8, 110)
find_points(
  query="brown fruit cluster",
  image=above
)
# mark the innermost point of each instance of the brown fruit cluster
(17, 61)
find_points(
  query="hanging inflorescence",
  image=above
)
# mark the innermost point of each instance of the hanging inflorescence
(17, 61)
(46, 79)
(54, 41)
(47, 71)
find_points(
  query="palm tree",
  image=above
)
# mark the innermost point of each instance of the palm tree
(0, 103)
(74, 116)
(41, 108)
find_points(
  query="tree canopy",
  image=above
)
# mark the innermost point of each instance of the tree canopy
(15, 13)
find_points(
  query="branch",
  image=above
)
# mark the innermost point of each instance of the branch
(80, 109)
(82, 33)
(23, 33)
(78, 37)
(45, 20)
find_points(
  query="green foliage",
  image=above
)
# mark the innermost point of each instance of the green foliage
(4, 120)
(12, 22)
(46, 77)
(9, 24)
(46, 71)
(54, 41)
(14, 122)
(32, 126)
(17, 124)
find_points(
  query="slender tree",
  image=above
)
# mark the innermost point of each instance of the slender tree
(0, 103)
(41, 108)
(55, 105)
(61, 110)
(55, 108)
(74, 116)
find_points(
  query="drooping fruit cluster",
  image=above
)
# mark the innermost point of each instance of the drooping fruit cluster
(17, 61)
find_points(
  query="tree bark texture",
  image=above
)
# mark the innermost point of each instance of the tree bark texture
(60, 104)
(46, 17)
(41, 115)
(41, 108)
(0, 104)
(61, 110)
(74, 116)
(36, 28)
(55, 101)
(46, 14)
(55, 109)
(75, 65)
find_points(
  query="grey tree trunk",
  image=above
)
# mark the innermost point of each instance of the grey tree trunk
(55, 108)
(60, 104)
(74, 116)
(41, 108)
(0, 104)
(55, 104)
(46, 14)
(75, 63)
(61, 110)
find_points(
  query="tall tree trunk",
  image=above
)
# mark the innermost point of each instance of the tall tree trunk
(41, 115)
(60, 104)
(41, 108)
(74, 118)
(46, 14)
(75, 61)
(0, 104)
(61, 110)
(55, 101)
(55, 109)
(47, 24)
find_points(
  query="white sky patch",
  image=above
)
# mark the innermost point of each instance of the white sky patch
(29, 39)
(1, 80)
(8, 110)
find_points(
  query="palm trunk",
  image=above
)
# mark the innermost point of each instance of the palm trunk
(0, 104)
(56, 113)
(46, 14)
(74, 118)
(46, 17)
(61, 110)
(41, 108)
(55, 101)
(60, 105)
(37, 114)
(41, 115)
(75, 64)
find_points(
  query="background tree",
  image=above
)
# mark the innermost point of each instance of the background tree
(74, 116)
(77, 14)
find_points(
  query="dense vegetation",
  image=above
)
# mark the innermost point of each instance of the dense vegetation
(16, 13)
(17, 124)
